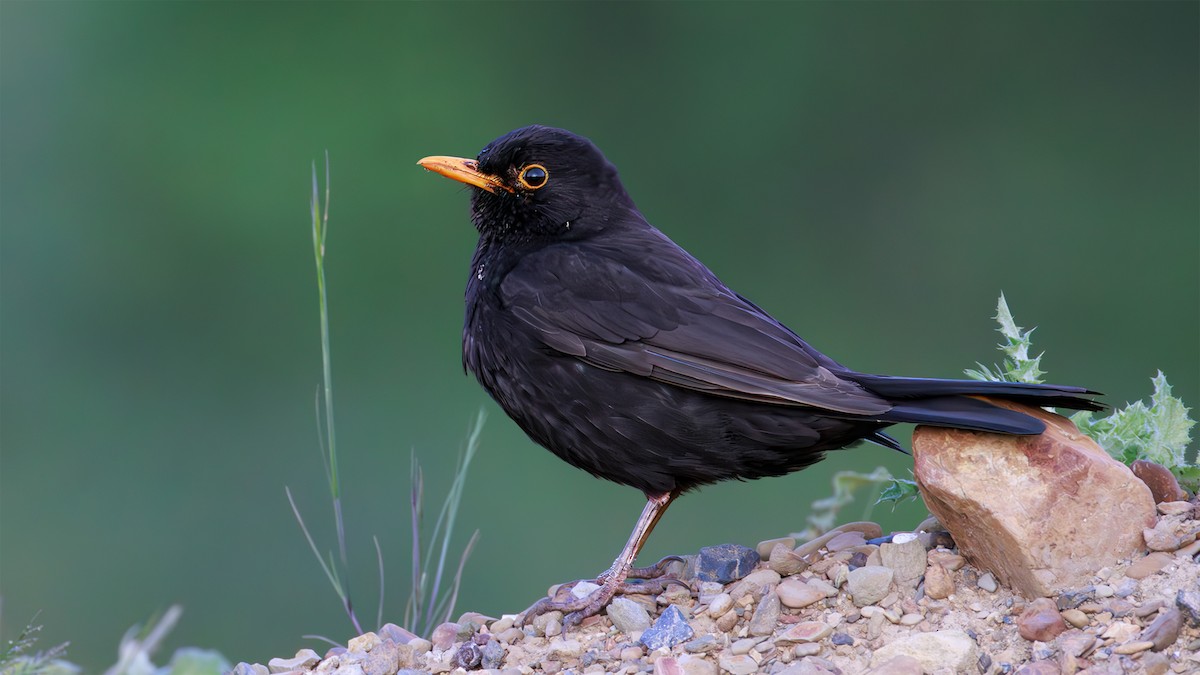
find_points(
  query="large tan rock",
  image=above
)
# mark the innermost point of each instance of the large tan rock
(1041, 512)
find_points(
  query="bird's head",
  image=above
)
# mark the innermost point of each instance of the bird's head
(538, 182)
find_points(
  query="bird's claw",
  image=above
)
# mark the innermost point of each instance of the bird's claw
(650, 581)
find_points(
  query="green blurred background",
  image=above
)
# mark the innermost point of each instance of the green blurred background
(873, 174)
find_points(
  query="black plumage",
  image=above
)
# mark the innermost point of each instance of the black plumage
(625, 356)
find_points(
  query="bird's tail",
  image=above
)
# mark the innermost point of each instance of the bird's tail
(950, 403)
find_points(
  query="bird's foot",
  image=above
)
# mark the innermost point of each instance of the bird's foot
(576, 609)
(655, 571)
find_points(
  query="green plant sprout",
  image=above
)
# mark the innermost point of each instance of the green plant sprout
(428, 603)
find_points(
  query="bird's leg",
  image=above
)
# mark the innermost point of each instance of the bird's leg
(614, 578)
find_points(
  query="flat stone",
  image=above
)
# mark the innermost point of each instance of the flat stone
(1145, 566)
(1133, 647)
(627, 616)
(725, 563)
(906, 559)
(766, 614)
(702, 645)
(670, 629)
(943, 649)
(390, 631)
(738, 665)
(305, 659)
(1175, 508)
(1040, 621)
(806, 649)
(984, 488)
(845, 540)
(987, 582)
(754, 584)
(805, 631)
(869, 585)
(796, 594)
(786, 561)
(1159, 479)
(1164, 630)
(765, 547)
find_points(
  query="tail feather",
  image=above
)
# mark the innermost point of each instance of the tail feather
(949, 403)
(1050, 395)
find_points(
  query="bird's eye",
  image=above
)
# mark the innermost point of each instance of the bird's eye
(533, 177)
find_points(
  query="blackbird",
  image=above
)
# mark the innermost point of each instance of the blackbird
(619, 352)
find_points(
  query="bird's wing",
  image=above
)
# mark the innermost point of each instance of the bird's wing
(652, 310)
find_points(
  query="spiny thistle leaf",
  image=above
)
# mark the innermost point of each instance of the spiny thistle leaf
(1019, 366)
(1159, 432)
(898, 490)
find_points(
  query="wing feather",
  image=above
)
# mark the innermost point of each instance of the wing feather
(664, 316)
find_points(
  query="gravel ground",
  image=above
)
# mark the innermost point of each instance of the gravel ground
(849, 602)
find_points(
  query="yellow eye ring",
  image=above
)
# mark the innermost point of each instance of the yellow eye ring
(533, 177)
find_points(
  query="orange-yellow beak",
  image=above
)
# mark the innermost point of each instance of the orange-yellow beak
(464, 171)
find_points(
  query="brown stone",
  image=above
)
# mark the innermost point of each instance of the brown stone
(1144, 567)
(1040, 622)
(1030, 509)
(1160, 480)
(938, 583)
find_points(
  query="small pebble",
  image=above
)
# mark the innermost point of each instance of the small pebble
(1075, 617)
(1040, 621)
(628, 616)
(869, 585)
(670, 629)
(702, 645)
(796, 594)
(806, 649)
(841, 639)
(725, 563)
(720, 604)
(744, 645)
(987, 582)
(1104, 591)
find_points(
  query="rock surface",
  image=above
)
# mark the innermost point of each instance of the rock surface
(1090, 509)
